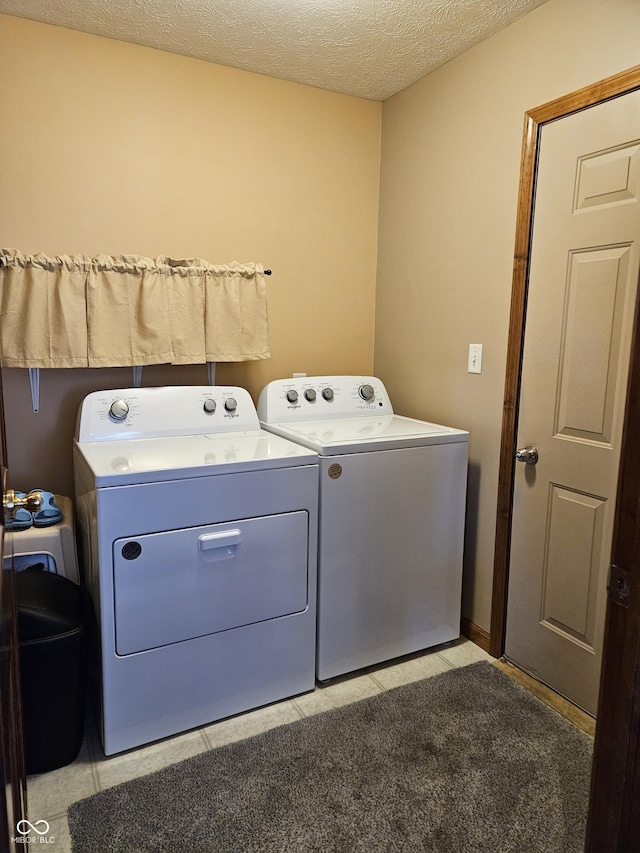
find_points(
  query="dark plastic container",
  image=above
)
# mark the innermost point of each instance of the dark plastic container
(53, 624)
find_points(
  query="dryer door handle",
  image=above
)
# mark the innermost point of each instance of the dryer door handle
(221, 546)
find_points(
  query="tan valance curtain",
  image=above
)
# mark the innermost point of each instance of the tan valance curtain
(129, 310)
(43, 313)
(235, 300)
(127, 313)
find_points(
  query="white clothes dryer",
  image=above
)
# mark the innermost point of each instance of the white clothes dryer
(391, 520)
(199, 537)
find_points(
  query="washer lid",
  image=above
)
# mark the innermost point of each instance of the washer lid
(356, 435)
(153, 460)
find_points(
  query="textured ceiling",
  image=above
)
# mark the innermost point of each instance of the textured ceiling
(368, 48)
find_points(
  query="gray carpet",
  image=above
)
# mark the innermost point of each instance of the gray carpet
(465, 761)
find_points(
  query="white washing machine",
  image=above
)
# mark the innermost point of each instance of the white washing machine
(391, 523)
(199, 536)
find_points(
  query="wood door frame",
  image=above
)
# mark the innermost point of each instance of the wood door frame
(13, 778)
(614, 807)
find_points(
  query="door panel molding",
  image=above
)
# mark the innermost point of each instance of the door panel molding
(608, 178)
(596, 298)
(569, 601)
(614, 809)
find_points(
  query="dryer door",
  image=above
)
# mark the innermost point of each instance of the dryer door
(181, 584)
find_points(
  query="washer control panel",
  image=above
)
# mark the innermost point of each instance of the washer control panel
(170, 410)
(319, 397)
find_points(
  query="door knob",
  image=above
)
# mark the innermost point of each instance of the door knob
(12, 502)
(528, 454)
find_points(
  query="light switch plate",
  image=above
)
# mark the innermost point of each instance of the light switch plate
(475, 358)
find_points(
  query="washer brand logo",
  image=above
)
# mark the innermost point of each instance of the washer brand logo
(33, 833)
(334, 471)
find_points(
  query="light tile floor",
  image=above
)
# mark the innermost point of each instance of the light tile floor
(51, 794)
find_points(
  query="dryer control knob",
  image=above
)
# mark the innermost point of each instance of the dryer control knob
(119, 410)
(292, 396)
(327, 393)
(310, 395)
(367, 393)
(209, 406)
(230, 404)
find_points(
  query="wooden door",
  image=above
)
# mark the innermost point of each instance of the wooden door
(12, 766)
(614, 809)
(583, 273)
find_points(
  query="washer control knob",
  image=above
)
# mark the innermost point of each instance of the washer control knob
(119, 410)
(231, 404)
(209, 405)
(327, 394)
(367, 393)
(292, 396)
(310, 395)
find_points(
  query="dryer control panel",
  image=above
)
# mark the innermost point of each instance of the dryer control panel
(321, 397)
(127, 413)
